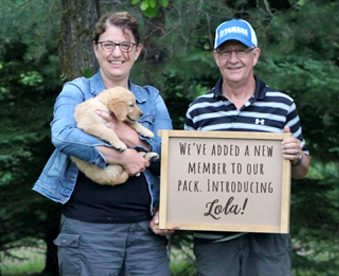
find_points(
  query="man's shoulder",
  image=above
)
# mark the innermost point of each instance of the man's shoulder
(268, 93)
(206, 97)
(277, 95)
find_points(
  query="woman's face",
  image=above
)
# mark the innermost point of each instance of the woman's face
(115, 66)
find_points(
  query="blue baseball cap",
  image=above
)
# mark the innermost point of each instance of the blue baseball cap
(235, 29)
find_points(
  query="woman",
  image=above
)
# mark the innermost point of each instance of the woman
(108, 230)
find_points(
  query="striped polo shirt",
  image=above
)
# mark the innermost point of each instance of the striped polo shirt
(268, 110)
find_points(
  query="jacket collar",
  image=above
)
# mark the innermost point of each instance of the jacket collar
(97, 85)
(137, 91)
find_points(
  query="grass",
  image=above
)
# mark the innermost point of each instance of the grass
(182, 262)
(31, 261)
(25, 261)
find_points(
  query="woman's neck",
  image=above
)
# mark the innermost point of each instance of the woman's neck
(109, 83)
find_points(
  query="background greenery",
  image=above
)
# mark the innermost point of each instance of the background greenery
(299, 43)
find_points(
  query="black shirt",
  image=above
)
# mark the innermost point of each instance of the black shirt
(125, 203)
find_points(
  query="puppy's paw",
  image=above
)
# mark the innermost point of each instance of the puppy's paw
(146, 133)
(120, 147)
(151, 156)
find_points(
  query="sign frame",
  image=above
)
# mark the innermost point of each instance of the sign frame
(285, 185)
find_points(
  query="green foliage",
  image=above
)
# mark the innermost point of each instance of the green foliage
(315, 224)
(150, 7)
(302, 59)
(299, 41)
(29, 83)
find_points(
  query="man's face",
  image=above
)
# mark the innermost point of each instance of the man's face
(236, 61)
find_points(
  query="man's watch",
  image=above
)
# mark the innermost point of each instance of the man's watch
(299, 161)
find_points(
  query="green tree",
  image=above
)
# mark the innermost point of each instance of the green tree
(300, 56)
(300, 49)
(29, 83)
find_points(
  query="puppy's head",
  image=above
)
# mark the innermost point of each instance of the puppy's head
(121, 102)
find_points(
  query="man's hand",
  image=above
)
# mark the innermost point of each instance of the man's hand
(292, 150)
(291, 147)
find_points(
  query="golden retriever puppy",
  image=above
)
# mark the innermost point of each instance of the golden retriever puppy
(121, 102)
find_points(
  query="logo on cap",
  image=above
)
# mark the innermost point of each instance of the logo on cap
(234, 29)
(230, 30)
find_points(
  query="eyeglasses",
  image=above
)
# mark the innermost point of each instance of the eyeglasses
(239, 52)
(109, 46)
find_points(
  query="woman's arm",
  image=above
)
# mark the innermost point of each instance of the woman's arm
(66, 136)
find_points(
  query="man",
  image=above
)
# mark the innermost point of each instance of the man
(240, 101)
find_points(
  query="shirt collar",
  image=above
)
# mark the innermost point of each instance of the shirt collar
(259, 92)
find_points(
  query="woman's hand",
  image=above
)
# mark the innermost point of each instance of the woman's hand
(154, 226)
(132, 161)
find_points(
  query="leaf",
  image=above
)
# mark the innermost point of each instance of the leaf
(151, 12)
(144, 6)
(163, 3)
(152, 3)
(301, 2)
(135, 2)
(87, 73)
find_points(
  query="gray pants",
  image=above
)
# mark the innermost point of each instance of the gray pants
(249, 255)
(94, 249)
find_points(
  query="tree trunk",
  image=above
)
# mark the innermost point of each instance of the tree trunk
(154, 52)
(75, 39)
(52, 230)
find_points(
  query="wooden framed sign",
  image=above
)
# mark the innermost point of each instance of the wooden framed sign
(224, 181)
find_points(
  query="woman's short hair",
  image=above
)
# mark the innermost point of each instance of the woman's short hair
(122, 20)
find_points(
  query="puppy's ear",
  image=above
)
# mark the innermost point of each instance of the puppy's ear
(118, 108)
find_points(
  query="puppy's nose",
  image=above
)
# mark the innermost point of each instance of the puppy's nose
(141, 114)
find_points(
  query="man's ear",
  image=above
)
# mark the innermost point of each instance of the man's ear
(118, 108)
(256, 55)
(215, 54)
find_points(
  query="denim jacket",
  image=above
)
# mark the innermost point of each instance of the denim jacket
(59, 176)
